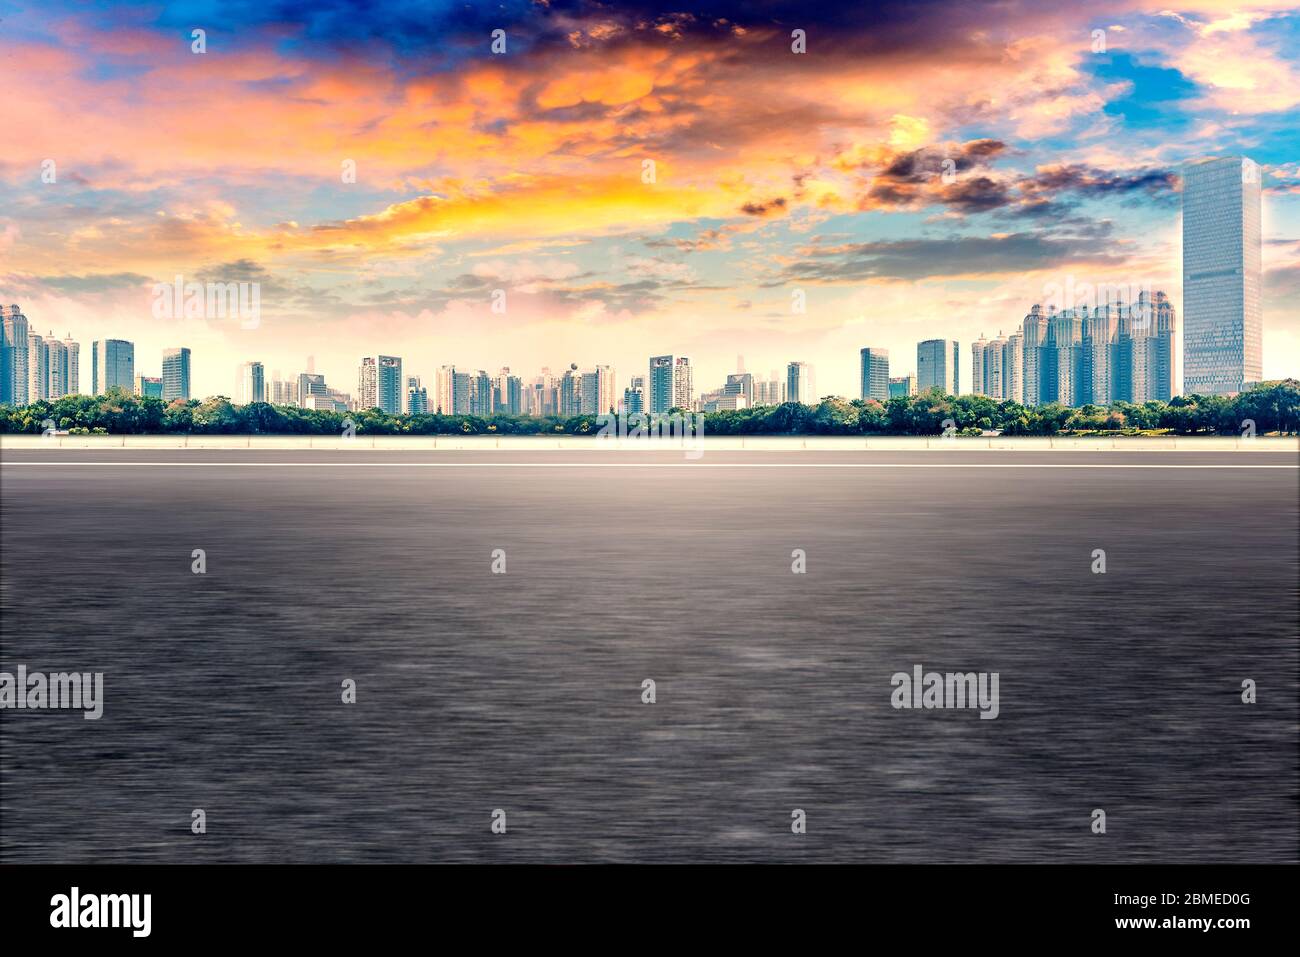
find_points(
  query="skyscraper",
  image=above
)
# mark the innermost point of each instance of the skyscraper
(977, 360)
(368, 384)
(672, 383)
(14, 348)
(389, 387)
(799, 383)
(417, 397)
(634, 396)
(444, 384)
(38, 368)
(598, 391)
(1116, 352)
(995, 367)
(461, 394)
(149, 386)
(507, 393)
(176, 374)
(936, 365)
(49, 367)
(112, 365)
(72, 352)
(875, 373)
(380, 385)
(1013, 368)
(1222, 313)
(252, 383)
(1033, 332)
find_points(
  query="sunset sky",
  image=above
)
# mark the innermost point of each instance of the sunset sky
(774, 171)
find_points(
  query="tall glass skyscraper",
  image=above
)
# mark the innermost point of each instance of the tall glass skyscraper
(112, 364)
(800, 383)
(1222, 314)
(388, 385)
(176, 374)
(936, 365)
(875, 373)
(252, 387)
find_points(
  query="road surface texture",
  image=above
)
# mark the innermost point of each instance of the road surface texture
(522, 691)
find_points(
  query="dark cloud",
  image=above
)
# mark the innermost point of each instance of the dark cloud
(762, 209)
(958, 256)
(1090, 181)
(106, 282)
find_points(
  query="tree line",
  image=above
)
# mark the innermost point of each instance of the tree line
(1272, 407)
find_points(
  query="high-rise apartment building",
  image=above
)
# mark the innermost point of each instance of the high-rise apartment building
(937, 365)
(1115, 352)
(14, 348)
(390, 387)
(112, 365)
(368, 383)
(598, 391)
(51, 365)
(672, 383)
(874, 370)
(462, 395)
(996, 367)
(73, 350)
(770, 391)
(38, 367)
(176, 374)
(1223, 323)
(380, 385)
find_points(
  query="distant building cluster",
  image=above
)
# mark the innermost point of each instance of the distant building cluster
(32, 366)
(1092, 353)
(1108, 354)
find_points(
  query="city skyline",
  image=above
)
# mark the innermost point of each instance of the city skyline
(614, 185)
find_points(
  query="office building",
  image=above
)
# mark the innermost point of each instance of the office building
(252, 383)
(176, 374)
(1222, 310)
(874, 368)
(417, 396)
(937, 365)
(902, 386)
(149, 386)
(634, 397)
(799, 383)
(112, 365)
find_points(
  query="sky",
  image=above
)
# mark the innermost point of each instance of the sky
(636, 179)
